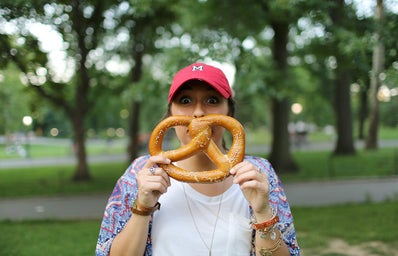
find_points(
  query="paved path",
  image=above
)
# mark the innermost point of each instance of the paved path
(299, 194)
(322, 193)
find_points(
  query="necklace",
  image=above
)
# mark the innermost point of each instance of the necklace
(196, 225)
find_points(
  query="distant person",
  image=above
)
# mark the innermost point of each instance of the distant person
(245, 214)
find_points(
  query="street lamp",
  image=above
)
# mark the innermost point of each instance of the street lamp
(27, 121)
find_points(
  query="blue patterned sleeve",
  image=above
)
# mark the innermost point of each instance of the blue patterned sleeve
(278, 201)
(117, 211)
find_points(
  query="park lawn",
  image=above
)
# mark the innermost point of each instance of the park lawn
(322, 165)
(48, 237)
(52, 180)
(356, 224)
(60, 149)
(314, 165)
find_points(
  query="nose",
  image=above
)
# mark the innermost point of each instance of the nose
(198, 111)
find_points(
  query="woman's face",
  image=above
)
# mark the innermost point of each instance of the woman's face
(198, 99)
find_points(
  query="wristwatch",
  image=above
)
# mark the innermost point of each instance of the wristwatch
(144, 211)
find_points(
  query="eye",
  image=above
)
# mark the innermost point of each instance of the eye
(213, 100)
(184, 100)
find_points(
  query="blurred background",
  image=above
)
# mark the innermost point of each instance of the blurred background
(83, 83)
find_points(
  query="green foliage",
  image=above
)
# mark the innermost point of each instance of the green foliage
(171, 34)
(13, 101)
(388, 112)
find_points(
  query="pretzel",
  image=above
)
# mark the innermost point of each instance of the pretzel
(200, 131)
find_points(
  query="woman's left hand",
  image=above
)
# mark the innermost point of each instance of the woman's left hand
(254, 185)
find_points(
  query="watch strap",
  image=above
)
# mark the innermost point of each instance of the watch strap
(142, 210)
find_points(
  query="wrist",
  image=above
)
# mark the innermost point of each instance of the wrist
(264, 215)
(142, 210)
(265, 221)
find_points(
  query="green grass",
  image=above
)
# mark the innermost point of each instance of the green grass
(62, 148)
(57, 180)
(48, 238)
(355, 224)
(321, 165)
(38, 181)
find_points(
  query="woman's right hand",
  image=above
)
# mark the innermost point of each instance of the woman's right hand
(152, 181)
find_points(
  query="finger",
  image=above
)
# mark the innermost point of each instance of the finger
(251, 184)
(157, 184)
(165, 177)
(161, 173)
(246, 172)
(153, 160)
(152, 170)
(237, 167)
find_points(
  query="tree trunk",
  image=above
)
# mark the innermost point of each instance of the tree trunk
(342, 106)
(342, 82)
(377, 68)
(82, 171)
(81, 97)
(136, 73)
(280, 155)
(362, 112)
(134, 130)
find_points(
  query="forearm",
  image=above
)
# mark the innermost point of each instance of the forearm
(131, 241)
(269, 241)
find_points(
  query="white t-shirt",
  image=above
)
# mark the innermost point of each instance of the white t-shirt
(174, 232)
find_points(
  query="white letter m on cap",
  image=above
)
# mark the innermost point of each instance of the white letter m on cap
(194, 68)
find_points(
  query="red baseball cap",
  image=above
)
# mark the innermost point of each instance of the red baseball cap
(203, 72)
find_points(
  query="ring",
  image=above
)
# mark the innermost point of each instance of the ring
(152, 170)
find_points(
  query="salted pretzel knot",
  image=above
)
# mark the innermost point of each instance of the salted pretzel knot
(200, 131)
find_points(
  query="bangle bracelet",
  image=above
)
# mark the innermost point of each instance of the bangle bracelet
(266, 224)
(270, 251)
(144, 211)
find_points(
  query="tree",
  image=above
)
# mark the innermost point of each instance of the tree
(335, 53)
(80, 23)
(147, 19)
(375, 80)
(280, 155)
(342, 81)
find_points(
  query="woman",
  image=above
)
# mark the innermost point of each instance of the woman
(245, 214)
